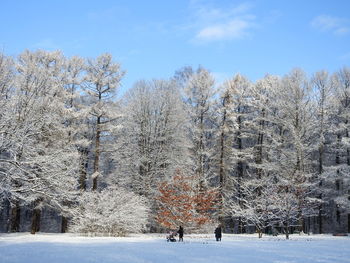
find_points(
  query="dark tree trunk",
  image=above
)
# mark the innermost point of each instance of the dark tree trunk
(222, 164)
(83, 168)
(64, 224)
(260, 143)
(97, 153)
(241, 228)
(221, 180)
(287, 231)
(320, 219)
(301, 226)
(15, 217)
(240, 171)
(201, 154)
(320, 171)
(35, 227)
(337, 156)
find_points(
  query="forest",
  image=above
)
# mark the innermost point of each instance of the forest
(78, 156)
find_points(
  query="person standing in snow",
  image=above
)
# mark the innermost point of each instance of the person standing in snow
(218, 233)
(181, 233)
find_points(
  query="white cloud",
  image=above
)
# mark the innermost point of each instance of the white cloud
(342, 31)
(235, 28)
(326, 23)
(209, 14)
(217, 24)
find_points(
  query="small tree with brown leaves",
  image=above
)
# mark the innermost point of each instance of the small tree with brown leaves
(180, 203)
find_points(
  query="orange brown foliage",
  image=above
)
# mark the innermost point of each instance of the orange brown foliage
(179, 204)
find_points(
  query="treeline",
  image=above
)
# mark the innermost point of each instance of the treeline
(276, 152)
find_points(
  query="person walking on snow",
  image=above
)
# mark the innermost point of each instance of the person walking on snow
(218, 233)
(181, 233)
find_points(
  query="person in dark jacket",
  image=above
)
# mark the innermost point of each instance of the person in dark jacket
(181, 233)
(218, 233)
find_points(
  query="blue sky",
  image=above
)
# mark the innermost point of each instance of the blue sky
(152, 39)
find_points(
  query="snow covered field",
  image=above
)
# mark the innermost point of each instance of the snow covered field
(67, 248)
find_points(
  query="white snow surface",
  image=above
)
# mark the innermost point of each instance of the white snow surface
(70, 248)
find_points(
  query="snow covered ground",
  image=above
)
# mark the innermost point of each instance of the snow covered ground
(68, 248)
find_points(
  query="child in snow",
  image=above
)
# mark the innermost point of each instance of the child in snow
(171, 236)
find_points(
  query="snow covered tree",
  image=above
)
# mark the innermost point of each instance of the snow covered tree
(199, 93)
(323, 86)
(77, 113)
(38, 163)
(257, 206)
(252, 202)
(338, 172)
(226, 121)
(151, 141)
(111, 212)
(101, 81)
(182, 76)
(252, 158)
(284, 210)
(241, 151)
(295, 125)
(7, 73)
(277, 152)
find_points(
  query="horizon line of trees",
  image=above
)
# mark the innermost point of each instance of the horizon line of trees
(274, 154)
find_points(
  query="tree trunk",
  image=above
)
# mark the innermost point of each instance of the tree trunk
(287, 231)
(35, 227)
(97, 153)
(64, 224)
(83, 168)
(320, 223)
(240, 172)
(241, 228)
(259, 157)
(301, 223)
(320, 207)
(222, 170)
(201, 146)
(15, 217)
